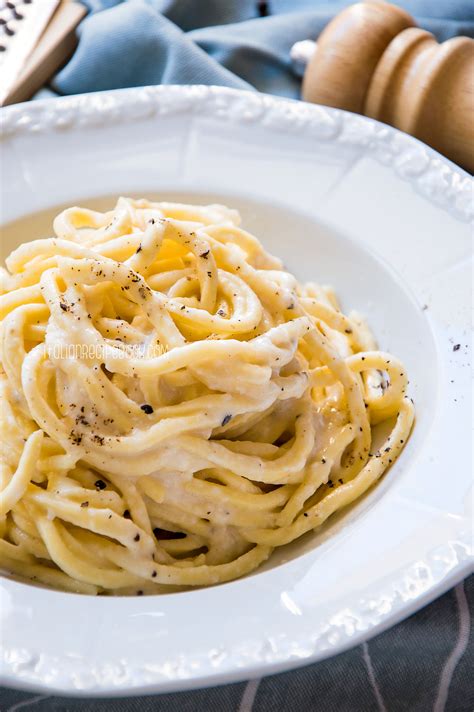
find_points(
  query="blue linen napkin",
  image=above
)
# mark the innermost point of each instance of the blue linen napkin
(224, 42)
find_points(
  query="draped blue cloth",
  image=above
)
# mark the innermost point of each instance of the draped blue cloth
(225, 42)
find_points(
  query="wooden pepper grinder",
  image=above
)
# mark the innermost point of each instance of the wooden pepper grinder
(372, 59)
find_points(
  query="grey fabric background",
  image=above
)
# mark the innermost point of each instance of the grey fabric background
(424, 664)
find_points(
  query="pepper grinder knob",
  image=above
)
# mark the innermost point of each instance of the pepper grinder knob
(372, 59)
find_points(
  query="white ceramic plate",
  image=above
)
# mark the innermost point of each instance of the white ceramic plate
(343, 200)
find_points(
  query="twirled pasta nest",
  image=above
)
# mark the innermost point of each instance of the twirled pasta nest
(175, 404)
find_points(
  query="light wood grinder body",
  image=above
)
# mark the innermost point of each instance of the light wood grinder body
(372, 59)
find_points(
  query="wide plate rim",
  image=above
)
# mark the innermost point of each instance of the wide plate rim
(435, 176)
